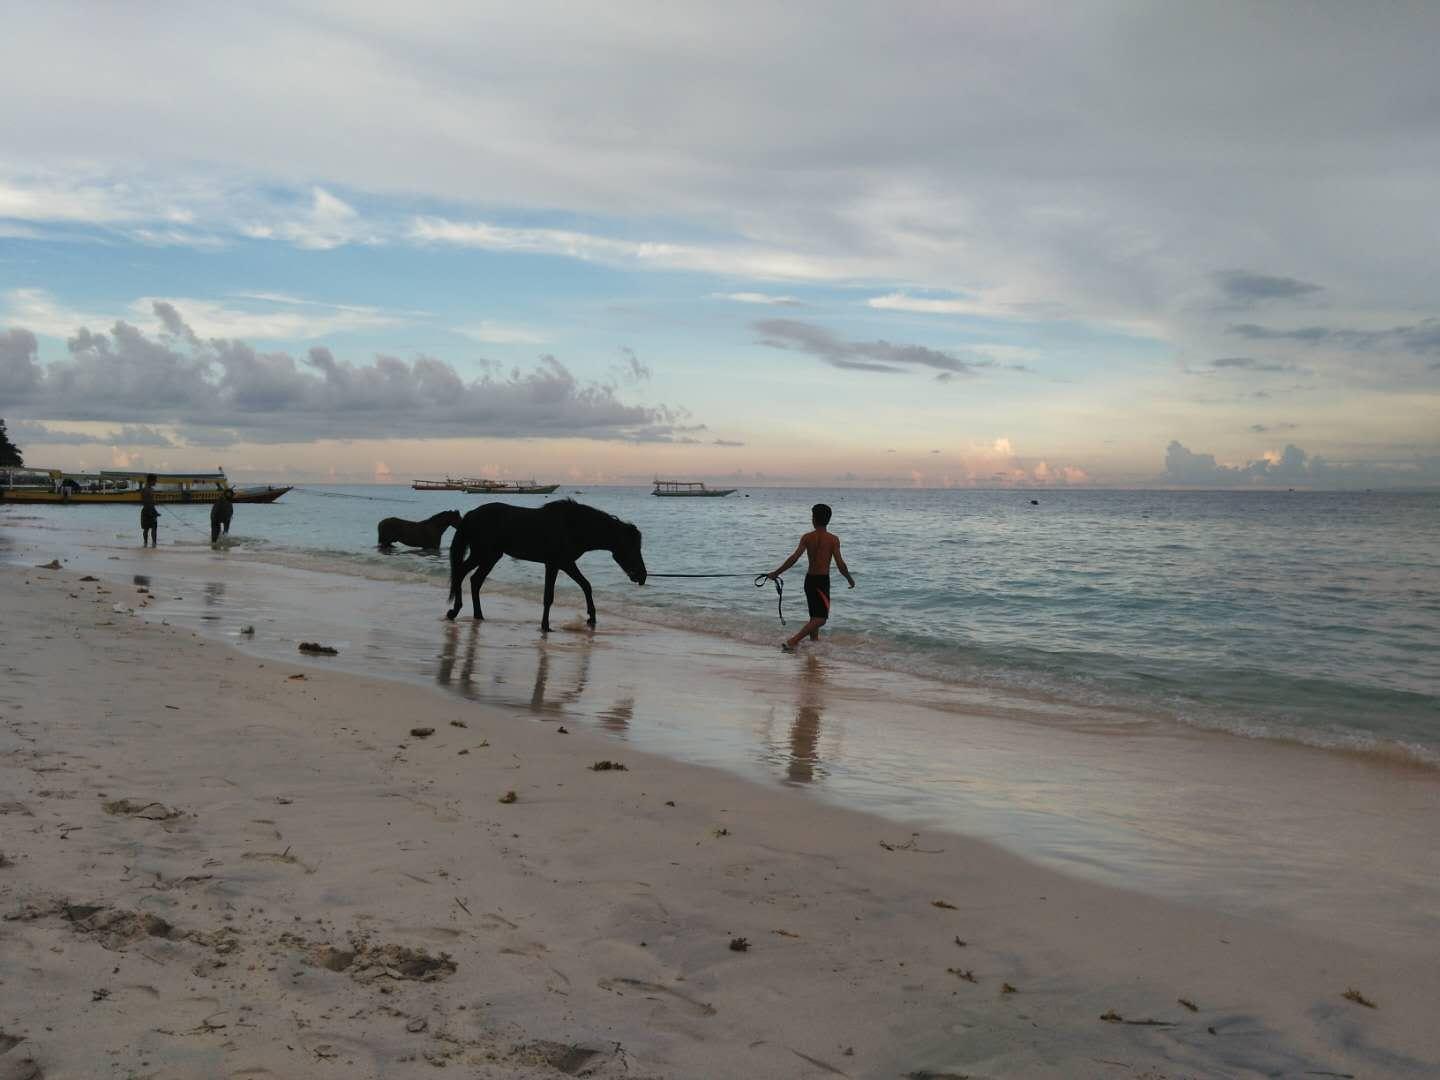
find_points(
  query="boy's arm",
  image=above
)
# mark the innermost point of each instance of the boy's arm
(788, 562)
(840, 562)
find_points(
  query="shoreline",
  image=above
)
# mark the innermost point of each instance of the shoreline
(587, 914)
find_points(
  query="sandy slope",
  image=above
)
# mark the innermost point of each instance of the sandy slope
(213, 868)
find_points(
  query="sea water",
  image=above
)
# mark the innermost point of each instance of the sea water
(1296, 615)
(1105, 681)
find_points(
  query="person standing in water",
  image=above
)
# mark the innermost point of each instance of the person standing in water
(221, 511)
(820, 546)
(149, 515)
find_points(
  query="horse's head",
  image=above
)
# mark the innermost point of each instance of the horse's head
(627, 553)
(450, 519)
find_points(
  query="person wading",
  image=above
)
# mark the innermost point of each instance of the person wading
(221, 511)
(149, 516)
(821, 546)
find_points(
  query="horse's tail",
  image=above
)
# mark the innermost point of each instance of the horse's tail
(457, 566)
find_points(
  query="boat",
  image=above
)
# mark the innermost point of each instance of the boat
(448, 484)
(59, 487)
(474, 485)
(506, 487)
(688, 489)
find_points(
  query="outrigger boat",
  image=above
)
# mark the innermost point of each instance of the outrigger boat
(474, 485)
(688, 489)
(506, 487)
(448, 484)
(56, 486)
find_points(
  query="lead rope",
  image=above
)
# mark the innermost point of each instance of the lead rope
(760, 580)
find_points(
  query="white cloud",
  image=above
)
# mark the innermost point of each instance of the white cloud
(754, 262)
(272, 318)
(493, 333)
(313, 320)
(756, 298)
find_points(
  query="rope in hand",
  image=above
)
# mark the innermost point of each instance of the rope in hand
(760, 580)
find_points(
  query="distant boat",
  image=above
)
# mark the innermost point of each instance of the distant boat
(508, 487)
(447, 484)
(688, 489)
(58, 487)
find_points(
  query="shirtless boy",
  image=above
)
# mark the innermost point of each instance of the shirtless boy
(820, 546)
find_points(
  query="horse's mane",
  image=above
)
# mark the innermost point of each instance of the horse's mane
(601, 516)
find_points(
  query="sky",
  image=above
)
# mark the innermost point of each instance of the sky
(1090, 244)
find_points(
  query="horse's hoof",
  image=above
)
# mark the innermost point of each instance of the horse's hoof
(590, 623)
(451, 615)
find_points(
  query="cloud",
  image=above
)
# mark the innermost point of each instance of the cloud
(1422, 338)
(1249, 363)
(29, 432)
(632, 371)
(879, 356)
(725, 442)
(1260, 429)
(223, 390)
(742, 260)
(1244, 287)
(493, 333)
(268, 317)
(1293, 466)
(757, 298)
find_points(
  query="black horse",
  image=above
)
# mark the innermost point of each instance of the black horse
(555, 534)
(420, 534)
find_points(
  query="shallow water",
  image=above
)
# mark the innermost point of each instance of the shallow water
(1097, 782)
(1305, 616)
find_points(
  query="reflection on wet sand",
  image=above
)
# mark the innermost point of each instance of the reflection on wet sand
(805, 730)
(445, 672)
(456, 670)
(617, 718)
(538, 700)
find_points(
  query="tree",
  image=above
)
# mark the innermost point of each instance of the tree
(9, 452)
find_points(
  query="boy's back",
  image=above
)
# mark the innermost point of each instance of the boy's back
(821, 546)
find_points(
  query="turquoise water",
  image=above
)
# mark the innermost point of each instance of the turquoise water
(1304, 616)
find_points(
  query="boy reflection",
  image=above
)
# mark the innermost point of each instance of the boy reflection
(805, 730)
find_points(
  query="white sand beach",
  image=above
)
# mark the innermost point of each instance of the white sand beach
(218, 865)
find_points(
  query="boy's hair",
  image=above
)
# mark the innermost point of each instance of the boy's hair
(820, 514)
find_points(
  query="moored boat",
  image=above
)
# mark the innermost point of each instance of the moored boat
(688, 489)
(58, 487)
(508, 487)
(448, 484)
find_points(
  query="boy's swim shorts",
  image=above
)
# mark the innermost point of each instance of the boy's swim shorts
(817, 595)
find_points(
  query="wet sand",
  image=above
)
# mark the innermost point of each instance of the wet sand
(214, 868)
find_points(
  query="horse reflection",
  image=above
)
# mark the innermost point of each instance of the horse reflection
(805, 729)
(445, 673)
(538, 699)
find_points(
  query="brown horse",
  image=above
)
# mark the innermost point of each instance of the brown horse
(419, 534)
(555, 534)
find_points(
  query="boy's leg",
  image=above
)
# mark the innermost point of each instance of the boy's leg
(810, 629)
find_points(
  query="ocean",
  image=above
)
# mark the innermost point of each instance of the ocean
(1231, 697)
(1306, 616)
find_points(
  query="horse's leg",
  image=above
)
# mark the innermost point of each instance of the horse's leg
(550, 571)
(484, 563)
(469, 563)
(576, 576)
